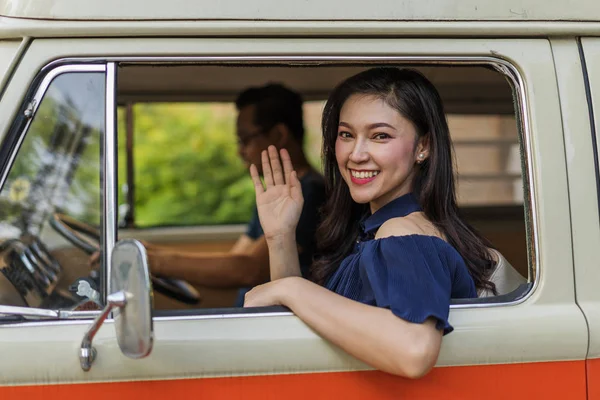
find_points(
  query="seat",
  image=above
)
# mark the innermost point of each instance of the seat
(505, 277)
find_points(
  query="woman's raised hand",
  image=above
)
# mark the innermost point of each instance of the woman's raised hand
(280, 204)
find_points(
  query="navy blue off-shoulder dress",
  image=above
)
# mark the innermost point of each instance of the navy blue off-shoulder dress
(414, 276)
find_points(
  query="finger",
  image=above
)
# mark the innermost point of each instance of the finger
(287, 164)
(258, 187)
(248, 299)
(296, 188)
(294, 181)
(266, 166)
(276, 166)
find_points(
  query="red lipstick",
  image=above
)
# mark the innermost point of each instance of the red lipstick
(362, 181)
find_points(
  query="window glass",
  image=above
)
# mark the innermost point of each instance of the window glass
(54, 182)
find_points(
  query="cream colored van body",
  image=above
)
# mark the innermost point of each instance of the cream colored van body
(550, 49)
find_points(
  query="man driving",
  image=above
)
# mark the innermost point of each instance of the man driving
(268, 115)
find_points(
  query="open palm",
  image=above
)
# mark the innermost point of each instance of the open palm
(280, 204)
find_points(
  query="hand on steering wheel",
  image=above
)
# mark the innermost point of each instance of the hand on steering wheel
(87, 238)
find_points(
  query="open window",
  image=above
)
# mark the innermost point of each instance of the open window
(182, 185)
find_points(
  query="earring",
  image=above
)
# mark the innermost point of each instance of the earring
(421, 155)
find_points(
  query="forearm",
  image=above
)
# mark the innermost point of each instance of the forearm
(371, 334)
(219, 270)
(283, 257)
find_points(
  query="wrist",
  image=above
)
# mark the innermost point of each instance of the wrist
(281, 238)
(289, 290)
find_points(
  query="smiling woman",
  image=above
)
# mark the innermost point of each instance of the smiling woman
(393, 249)
(376, 146)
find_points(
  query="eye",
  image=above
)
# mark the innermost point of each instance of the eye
(344, 135)
(381, 136)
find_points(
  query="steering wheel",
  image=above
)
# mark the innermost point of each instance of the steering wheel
(87, 238)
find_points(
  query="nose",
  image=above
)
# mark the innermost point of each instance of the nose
(360, 152)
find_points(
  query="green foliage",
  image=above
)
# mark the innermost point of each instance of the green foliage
(187, 171)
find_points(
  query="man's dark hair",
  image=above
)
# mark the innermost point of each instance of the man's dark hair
(274, 104)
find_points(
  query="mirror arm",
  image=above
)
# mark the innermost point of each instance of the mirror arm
(87, 353)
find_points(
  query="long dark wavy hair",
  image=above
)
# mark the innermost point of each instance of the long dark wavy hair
(416, 99)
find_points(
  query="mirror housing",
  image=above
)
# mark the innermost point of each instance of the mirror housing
(131, 298)
(129, 274)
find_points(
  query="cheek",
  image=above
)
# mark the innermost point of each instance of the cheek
(398, 155)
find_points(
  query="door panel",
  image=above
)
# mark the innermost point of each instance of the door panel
(546, 326)
(587, 272)
(593, 378)
(561, 380)
(230, 345)
(9, 49)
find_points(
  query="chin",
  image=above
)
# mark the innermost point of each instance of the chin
(361, 199)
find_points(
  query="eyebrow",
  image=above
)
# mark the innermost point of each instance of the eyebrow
(372, 126)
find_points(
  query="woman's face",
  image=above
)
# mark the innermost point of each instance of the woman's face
(376, 151)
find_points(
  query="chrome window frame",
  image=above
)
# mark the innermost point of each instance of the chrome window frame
(109, 64)
(109, 161)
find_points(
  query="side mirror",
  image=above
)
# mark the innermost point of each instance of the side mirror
(131, 298)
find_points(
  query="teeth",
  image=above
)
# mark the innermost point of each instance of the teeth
(364, 174)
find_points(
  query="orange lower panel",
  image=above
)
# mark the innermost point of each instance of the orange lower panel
(552, 380)
(593, 378)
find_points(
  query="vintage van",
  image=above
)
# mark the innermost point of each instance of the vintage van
(88, 94)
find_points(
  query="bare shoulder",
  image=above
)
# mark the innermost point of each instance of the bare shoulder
(412, 224)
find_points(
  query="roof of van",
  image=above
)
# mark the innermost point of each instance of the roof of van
(302, 10)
